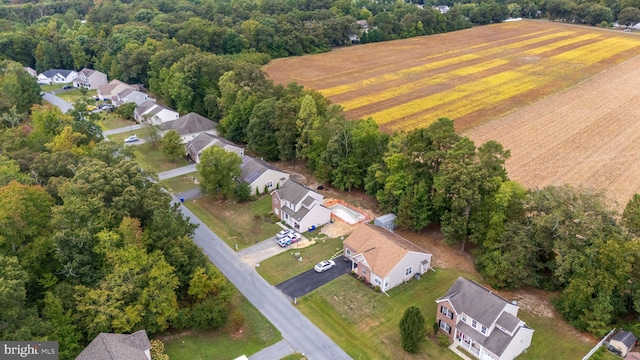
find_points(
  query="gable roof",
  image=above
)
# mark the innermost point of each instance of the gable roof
(292, 191)
(87, 72)
(115, 84)
(52, 72)
(252, 168)
(200, 142)
(189, 124)
(475, 300)
(625, 337)
(108, 346)
(381, 248)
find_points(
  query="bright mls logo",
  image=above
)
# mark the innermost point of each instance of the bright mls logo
(37, 350)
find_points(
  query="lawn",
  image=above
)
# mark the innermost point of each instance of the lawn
(152, 159)
(181, 183)
(113, 121)
(244, 224)
(75, 94)
(284, 266)
(142, 133)
(48, 88)
(365, 323)
(257, 334)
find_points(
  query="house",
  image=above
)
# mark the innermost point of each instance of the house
(299, 207)
(364, 25)
(153, 113)
(387, 221)
(384, 258)
(260, 175)
(205, 140)
(191, 125)
(621, 342)
(107, 346)
(131, 95)
(483, 323)
(57, 76)
(31, 71)
(442, 8)
(114, 87)
(90, 79)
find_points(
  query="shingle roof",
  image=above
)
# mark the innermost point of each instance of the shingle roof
(189, 124)
(381, 248)
(625, 337)
(52, 72)
(292, 191)
(117, 347)
(87, 72)
(200, 142)
(496, 342)
(475, 300)
(252, 168)
(508, 321)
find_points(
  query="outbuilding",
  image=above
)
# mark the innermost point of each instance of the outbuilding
(622, 342)
(387, 221)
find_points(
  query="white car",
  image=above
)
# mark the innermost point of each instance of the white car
(130, 139)
(283, 233)
(324, 265)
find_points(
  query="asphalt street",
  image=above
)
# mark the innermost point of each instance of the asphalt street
(310, 280)
(177, 172)
(300, 333)
(56, 101)
(122, 129)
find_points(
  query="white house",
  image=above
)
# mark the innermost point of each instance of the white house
(481, 322)
(205, 140)
(31, 71)
(384, 258)
(260, 175)
(131, 95)
(153, 113)
(57, 76)
(189, 126)
(90, 79)
(114, 87)
(299, 207)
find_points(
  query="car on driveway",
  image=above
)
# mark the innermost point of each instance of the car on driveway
(294, 237)
(284, 242)
(130, 139)
(324, 265)
(283, 233)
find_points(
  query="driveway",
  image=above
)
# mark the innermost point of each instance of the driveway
(266, 249)
(56, 101)
(300, 333)
(177, 172)
(310, 280)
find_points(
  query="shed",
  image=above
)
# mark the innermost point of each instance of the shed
(387, 221)
(622, 341)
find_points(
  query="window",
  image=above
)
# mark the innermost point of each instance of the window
(347, 251)
(377, 280)
(444, 326)
(484, 329)
(386, 283)
(464, 318)
(269, 184)
(364, 271)
(474, 323)
(408, 271)
(446, 312)
(286, 216)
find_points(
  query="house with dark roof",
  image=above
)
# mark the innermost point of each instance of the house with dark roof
(481, 322)
(205, 140)
(108, 346)
(57, 76)
(622, 342)
(299, 207)
(131, 95)
(90, 79)
(153, 113)
(190, 126)
(384, 258)
(261, 176)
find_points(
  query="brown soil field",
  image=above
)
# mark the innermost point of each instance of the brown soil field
(586, 136)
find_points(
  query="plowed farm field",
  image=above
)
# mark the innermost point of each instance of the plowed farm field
(564, 99)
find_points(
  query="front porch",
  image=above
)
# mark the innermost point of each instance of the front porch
(467, 343)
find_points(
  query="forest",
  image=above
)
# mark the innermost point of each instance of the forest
(89, 243)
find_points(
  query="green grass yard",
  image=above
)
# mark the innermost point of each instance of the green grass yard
(75, 94)
(112, 121)
(181, 183)
(225, 344)
(244, 224)
(284, 266)
(152, 159)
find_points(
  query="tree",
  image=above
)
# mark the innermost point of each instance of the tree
(631, 215)
(62, 327)
(412, 329)
(17, 88)
(171, 145)
(219, 169)
(629, 16)
(125, 110)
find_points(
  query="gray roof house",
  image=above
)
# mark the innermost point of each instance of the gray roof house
(384, 258)
(155, 114)
(387, 221)
(622, 342)
(190, 126)
(260, 175)
(299, 207)
(129, 95)
(114, 87)
(205, 140)
(107, 346)
(57, 76)
(481, 322)
(90, 79)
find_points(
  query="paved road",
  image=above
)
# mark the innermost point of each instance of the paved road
(310, 280)
(122, 129)
(303, 336)
(275, 351)
(56, 101)
(177, 172)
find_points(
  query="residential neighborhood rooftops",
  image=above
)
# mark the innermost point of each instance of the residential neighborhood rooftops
(189, 124)
(52, 72)
(293, 192)
(108, 346)
(252, 168)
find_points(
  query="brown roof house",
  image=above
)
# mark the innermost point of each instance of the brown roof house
(481, 322)
(299, 207)
(205, 140)
(384, 258)
(107, 346)
(189, 126)
(113, 88)
(90, 79)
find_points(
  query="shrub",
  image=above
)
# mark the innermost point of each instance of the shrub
(376, 288)
(443, 340)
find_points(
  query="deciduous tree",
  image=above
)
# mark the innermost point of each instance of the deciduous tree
(171, 145)
(219, 169)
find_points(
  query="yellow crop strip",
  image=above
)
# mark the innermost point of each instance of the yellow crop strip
(558, 44)
(593, 53)
(420, 84)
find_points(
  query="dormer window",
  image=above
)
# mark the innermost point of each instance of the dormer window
(464, 318)
(484, 330)
(474, 324)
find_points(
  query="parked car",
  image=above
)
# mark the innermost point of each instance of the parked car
(67, 87)
(294, 237)
(284, 242)
(283, 233)
(324, 265)
(130, 139)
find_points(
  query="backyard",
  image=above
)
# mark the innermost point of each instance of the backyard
(241, 224)
(182, 183)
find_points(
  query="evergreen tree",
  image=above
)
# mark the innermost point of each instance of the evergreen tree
(412, 329)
